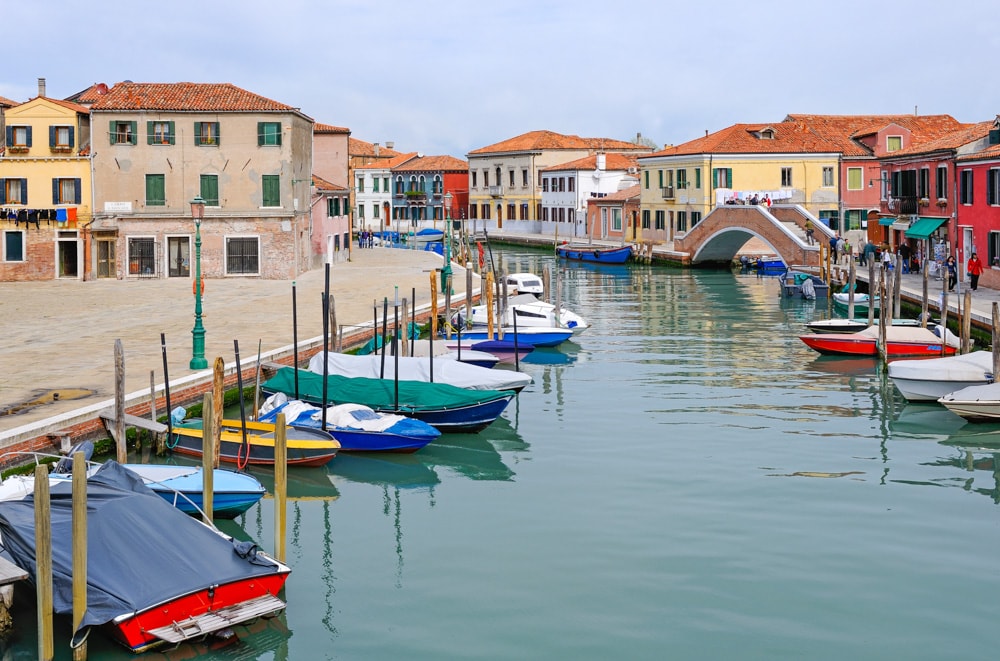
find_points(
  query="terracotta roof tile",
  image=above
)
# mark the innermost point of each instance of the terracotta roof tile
(388, 163)
(434, 164)
(963, 135)
(551, 141)
(4, 101)
(623, 195)
(357, 147)
(89, 95)
(76, 107)
(201, 97)
(789, 138)
(846, 130)
(327, 128)
(324, 185)
(612, 161)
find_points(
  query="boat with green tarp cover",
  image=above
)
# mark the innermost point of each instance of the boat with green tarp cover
(446, 407)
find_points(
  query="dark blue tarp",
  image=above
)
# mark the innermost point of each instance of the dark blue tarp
(141, 551)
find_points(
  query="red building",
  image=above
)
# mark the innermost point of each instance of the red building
(978, 197)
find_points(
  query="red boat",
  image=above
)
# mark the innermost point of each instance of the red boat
(899, 342)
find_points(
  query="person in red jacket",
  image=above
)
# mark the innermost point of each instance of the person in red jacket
(975, 269)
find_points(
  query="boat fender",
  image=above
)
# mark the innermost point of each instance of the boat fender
(597, 254)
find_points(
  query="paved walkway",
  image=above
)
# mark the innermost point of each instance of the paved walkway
(60, 335)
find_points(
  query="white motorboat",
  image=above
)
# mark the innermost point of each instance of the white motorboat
(852, 325)
(529, 312)
(975, 403)
(930, 379)
(526, 283)
(452, 372)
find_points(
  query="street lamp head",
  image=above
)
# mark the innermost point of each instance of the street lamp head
(197, 209)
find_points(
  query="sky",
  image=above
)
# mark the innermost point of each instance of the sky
(445, 77)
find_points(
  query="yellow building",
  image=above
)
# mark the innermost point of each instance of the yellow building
(782, 163)
(45, 189)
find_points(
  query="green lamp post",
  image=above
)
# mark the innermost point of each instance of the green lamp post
(446, 271)
(198, 361)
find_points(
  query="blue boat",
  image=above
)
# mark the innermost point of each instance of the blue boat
(182, 486)
(590, 253)
(357, 428)
(533, 336)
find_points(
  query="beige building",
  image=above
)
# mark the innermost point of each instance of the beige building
(505, 179)
(158, 146)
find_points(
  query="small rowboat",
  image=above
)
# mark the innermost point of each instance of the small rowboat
(306, 447)
(599, 254)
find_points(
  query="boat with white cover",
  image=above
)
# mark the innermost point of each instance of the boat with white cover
(930, 379)
(975, 403)
(530, 312)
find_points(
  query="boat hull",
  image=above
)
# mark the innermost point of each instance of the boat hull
(840, 344)
(595, 254)
(927, 390)
(305, 447)
(543, 338)
(233, 493)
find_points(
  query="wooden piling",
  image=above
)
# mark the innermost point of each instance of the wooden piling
(43, 559)
(996, 339)
(967, 322)
(850, 292)
(280, 486)
(121, 450)
(218, 406)
(434, 304)
(79, 549)
(208, 434)
(468, 292)
(872, 292)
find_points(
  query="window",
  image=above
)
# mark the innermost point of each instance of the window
(695, 218)
(123, 133)
(178, 257)
(511, 210)
(722, 177)
(893, 143)
(645, 219)
(13, 246)
(545, 214)
(965, 187)
(375, 209)
(682, 179)
(646, 175)
(682, 221)
(474, 184)
(19, 136)
(786, 177)
(993, 187)
(156, 190)
(524, 177)
(659, 175)
(571, 184)
(399, 186)
(486, 211)
(375, 184)
(855, 179)
(142, 256)
(511, 178)
(333, 206)
(994, 249)
(473, 211)
(942, 182)
(13, 191)
(65, 191)
(385, 184)
(924, 182)
(545, 185)
(616, 219)
(271, 190)
(828, 176)
(210, 189)
(697, 177)
(524, 211)
(269, 134)
(361, 211)
(660, 220)
(61, 137)
(242, 255)
(361, 184)
(486, 178)
(206, 133)
(159, 133)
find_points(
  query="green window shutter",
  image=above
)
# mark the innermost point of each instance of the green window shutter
(155, 190)
(260, 134)
(3, 190)
(72, 136)
(197, 134)
(10, 136)
(697, 177)
(215, 132)
(52, 136)
(55, 191)
(715, 177)
(111, 132)
(271, 190)
(24, 191)
(171, 132)
(277, 134)
(134, 133)
(729, 177)
(77, 191)
(149, 133)
(210, 189)
(28, 140)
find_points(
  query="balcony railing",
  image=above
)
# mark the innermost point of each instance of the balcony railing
(496, 191)
(416, 196)
(903, 205)
(668, 192)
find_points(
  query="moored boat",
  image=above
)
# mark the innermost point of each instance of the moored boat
(975, 403)
(900, 341)
(930, 379)
(526, 283)
(583, 252)
(305, 447)
(796, 284)
(535, 336)
(529, 313)
(452, 372)
(852, 325)
(154, 574)
(504, 350)
(842, 301)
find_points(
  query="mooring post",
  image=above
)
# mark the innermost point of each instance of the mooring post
(79, 549)
(43, 562)
(120, 445)
(208, 434)
(280, 486)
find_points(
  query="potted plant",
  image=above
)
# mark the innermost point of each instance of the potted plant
(942, 202)
(924, 202)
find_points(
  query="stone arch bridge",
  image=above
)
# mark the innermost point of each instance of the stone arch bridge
(720, 235)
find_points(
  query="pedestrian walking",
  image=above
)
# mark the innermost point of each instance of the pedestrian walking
(834, 240)
(952, 273)
(810, 239)
(975, 269)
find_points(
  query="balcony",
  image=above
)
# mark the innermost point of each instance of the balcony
(496, 191)
(903, 205)
(416, 197)
(668, 192)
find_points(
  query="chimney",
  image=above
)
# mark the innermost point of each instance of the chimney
(390, 145)
(376, 149)
(41, 87)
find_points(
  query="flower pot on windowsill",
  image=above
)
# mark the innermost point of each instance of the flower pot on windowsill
(923, 202)
(13, 149)
(942, 203)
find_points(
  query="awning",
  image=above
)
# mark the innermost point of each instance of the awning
(886, 220)
(924, 227)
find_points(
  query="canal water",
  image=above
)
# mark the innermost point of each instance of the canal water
(684, 480)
